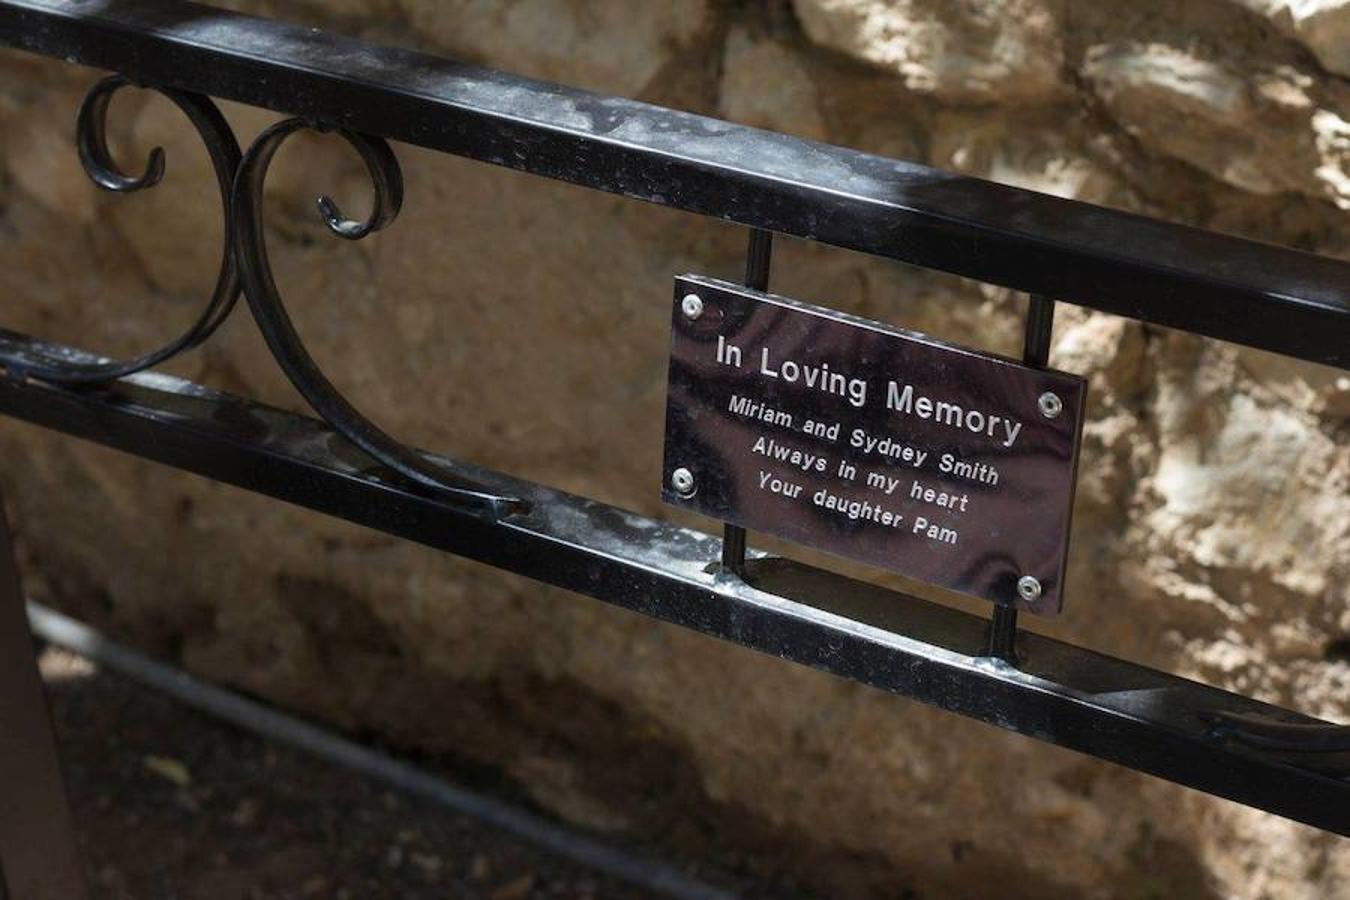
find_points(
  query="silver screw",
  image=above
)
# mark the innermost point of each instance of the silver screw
(1029, 589)
(692, 306)
(682, 480)
(1050, 404)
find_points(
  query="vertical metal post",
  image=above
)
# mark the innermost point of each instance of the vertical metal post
(38, 859)
(1035, 352)
(758, 255)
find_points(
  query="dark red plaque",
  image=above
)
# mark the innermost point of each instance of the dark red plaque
(943, 464)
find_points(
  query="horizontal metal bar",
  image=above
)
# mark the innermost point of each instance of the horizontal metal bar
(1063, 694)
(1211, 284)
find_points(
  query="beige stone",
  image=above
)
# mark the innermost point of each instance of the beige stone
(523, 324)
(1262, 135)
(1323, 25)
(973, 52)
(766, 85)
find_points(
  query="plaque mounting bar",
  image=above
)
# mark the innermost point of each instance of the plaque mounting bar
(1224, 287)
(1066, 695)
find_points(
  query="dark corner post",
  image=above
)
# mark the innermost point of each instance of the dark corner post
(38, 858)
(1035, 352)
(758, 255)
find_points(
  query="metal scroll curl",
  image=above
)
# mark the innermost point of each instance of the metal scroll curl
(92, 141)
(279, 331)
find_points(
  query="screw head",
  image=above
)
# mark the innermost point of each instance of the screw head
(682, 480)
(1028, 588)
(692, 306)
(1050, 404)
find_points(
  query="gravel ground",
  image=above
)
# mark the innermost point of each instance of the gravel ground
(171, 805)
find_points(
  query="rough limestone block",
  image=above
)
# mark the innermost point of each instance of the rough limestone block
(523, 324)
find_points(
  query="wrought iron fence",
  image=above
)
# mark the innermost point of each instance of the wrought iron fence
(1054, 250)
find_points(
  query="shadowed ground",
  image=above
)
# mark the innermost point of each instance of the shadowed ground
(171, 805)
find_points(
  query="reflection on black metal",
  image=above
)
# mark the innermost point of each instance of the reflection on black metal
(1037, 333)
(1223, 287)
(244, 255)
(758, 257)
(749, 440)
(276, 326)
(1110, 708)
(92, 140)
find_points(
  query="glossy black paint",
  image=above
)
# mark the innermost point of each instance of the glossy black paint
(264, 300)
(758, 261)
(223, 151)
(1211, 284)
(1037, 333)
(1060, 693)
(1002, 529)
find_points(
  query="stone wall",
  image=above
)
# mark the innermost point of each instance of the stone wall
(523, 324)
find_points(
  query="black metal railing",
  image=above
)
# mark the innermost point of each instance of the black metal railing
(1056, 250)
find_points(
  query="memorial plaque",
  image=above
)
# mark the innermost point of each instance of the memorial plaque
(946, 465)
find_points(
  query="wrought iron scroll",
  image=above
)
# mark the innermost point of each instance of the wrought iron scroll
(279, 331)
(92, 140)
(245, 266)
